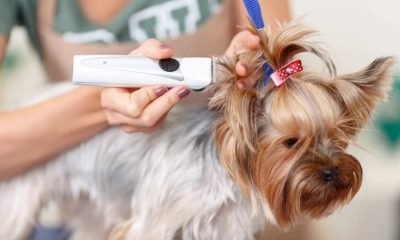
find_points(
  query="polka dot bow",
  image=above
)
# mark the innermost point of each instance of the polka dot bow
(286, 71)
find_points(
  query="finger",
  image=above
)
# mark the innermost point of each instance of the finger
(240, 84)
(129, 129)
(244, 79)
(114, 98)
(162, 105)
(147, 129)
(243, 40)
(132, 129)
(116, 118)
(154, 49)
(246, 82)
(130, 104)
(241, 69)
(251, 41)
(152, 113)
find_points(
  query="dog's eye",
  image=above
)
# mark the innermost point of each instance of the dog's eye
(291, 142)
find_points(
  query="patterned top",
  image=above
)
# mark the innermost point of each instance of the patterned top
(138, 21)
(59, 29)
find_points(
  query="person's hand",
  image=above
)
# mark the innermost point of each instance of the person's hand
(244, 40)
(146, 108)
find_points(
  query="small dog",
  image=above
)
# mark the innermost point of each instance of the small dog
(272, 153)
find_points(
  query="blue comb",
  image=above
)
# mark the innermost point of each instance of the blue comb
(254, 10)
(268, 71)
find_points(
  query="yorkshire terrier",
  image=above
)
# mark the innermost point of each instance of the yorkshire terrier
(268, 153)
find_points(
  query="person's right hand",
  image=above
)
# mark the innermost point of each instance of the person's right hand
(146, 108)
(241, 42)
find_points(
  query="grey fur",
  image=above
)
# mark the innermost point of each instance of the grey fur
(170, 183)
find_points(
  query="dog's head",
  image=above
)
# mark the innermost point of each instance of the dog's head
(286, 145)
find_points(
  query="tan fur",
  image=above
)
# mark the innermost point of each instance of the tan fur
(120, 231)
(322, 113)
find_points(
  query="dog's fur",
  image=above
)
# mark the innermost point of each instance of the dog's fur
(265, 154)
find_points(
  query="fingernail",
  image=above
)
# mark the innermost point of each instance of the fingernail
(160, 91)
(183, 93)
(165, 46)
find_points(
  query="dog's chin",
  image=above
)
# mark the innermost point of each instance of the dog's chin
(314, 188)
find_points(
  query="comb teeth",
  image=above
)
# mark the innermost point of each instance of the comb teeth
(267, 73)
(254, 10)
(267, 69)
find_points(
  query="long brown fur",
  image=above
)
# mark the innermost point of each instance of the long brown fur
(275, 142)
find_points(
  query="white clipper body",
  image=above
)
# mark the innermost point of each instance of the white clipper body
(133, 72)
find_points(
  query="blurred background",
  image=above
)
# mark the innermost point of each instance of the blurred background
(358, 31)
(355, 32)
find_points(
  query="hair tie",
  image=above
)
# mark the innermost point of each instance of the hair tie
(286, 72)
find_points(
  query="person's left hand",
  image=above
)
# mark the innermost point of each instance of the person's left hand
(244, 40)
(144, 109)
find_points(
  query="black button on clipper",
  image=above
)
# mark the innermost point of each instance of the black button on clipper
(169, 64)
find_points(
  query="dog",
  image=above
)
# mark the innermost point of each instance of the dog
(255, 155)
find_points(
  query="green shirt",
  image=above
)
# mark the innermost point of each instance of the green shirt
(140, 20)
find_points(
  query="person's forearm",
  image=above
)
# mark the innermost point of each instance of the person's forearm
(33, 135)
(3, 43)
(274, 11)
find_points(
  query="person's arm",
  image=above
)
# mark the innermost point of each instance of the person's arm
(35, 134)
(3, 43)
(274, 11)
(8, 13)
(32, 135)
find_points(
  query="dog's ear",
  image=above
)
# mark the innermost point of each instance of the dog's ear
(358, 93)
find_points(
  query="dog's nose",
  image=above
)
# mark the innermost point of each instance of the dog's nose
(329, 174)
